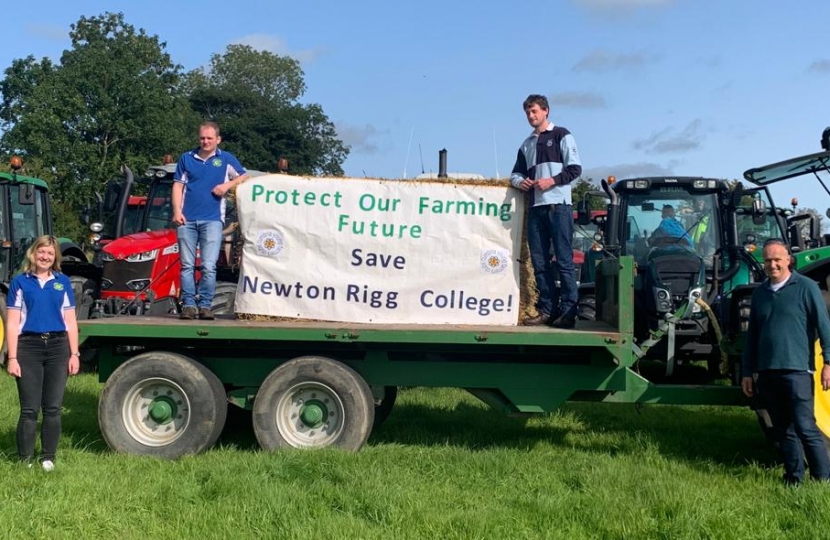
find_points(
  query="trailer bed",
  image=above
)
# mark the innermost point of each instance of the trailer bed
(228, 327)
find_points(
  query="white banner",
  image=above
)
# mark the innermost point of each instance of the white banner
(379, 251)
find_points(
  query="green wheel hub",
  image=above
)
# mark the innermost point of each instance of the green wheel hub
(313, 413)
(162, 410)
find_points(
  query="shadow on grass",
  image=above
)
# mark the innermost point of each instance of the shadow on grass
(79, 425)
(699, 435)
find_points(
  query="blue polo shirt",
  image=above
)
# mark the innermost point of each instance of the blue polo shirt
(41, 303)
(199, 177)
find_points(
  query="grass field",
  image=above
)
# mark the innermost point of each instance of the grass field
(443, 466)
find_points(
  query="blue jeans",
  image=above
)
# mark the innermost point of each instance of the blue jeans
(546, 225)
(788, 396)
(44, 365)
(207, 235)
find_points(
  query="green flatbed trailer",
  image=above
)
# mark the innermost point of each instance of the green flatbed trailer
(312, 384)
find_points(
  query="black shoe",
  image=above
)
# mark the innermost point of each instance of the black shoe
(538, 320)
(189, 313)
(565, 321)
(206, 314)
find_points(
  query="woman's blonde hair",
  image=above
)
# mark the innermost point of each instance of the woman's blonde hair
(29, 262)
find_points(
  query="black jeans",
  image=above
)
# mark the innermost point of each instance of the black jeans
(44, 365)
(789, 397)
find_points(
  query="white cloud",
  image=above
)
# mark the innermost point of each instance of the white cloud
(820, 66)
(360, 139)
(626, 170)
(668, 141)
(601, 61)
(578, 100)
(278, 45)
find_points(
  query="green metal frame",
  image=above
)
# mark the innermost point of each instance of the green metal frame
(514, 369)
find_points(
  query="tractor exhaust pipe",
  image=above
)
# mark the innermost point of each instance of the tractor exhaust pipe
(442, 163)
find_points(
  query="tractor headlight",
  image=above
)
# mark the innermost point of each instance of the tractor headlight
(96, 227)
(138, 284)
(143, 257)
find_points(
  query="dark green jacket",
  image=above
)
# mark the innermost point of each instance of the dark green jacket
(783, 326)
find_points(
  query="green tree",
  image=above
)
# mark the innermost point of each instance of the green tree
(254, 96)
(113, 99)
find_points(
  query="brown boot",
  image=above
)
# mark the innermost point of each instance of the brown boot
(538, 320)
(206, 314)
(189, 313)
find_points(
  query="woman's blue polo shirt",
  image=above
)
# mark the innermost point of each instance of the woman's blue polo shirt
(41, 304)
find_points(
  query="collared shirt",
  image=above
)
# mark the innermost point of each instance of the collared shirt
(550, 154)
(783, 326)
(199, 177)
(41, 302)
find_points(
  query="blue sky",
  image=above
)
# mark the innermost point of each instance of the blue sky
(707, 87)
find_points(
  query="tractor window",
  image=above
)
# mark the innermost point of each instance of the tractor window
(28, 220)
(671, 211)
(750, 232)
(159, 207)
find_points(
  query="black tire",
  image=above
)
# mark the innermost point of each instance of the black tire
(193, 395)
(223, 298)
(587, 308)
(313, 402)
(384, 405)
(84, 289)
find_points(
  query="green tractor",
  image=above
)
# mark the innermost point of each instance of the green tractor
(25, 214)
(809, 246)
(696, 265)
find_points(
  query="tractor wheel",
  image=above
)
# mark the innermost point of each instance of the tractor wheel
(162, 404)
(223, 298)
(313, 402)
(384, 404)
(587, 308)
(84, 290)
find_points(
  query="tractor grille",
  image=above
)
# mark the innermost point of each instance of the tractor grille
(120, 272)
(678, 273)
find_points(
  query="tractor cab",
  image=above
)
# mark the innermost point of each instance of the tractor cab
(24, 215)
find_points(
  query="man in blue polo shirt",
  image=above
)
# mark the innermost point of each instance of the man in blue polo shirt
(203, 177)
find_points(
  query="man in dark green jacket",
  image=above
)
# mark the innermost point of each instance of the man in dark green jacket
(787, 315)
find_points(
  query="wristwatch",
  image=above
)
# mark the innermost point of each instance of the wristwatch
(75, 354)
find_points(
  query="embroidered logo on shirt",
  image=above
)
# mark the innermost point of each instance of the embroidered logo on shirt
(58, 286)
(216, 162)
(550, 142)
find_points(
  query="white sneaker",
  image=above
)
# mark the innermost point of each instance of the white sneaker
(48, 465)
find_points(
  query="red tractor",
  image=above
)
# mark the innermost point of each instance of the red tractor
(141, 270)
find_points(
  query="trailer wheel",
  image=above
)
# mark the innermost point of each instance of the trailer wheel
(384, 405)
(223, 298)
(313, 402)
(162, 404)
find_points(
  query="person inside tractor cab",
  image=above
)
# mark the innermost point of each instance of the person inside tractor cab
(703, 230)
(670, 231)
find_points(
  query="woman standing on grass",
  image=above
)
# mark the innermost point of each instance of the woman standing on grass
(42, 334)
